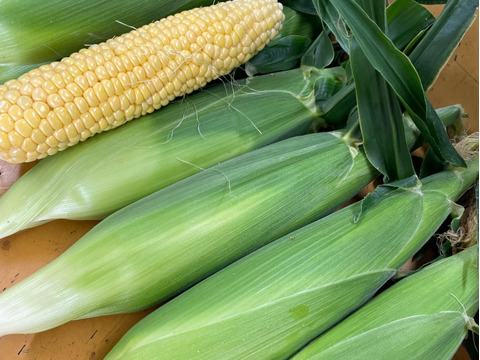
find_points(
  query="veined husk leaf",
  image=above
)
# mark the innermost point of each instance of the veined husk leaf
(284, 52)
(33, 31)
(424, 317)
(305, 6)
(396, 68)
(115, 168)
(271, 303)
(9, 72)
(378, 109)
(410, 12)
(160, 245)
(400, 31)
(447, 31)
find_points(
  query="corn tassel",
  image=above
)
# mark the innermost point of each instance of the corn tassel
(423, 317)
(162, 244)
(144, 156)
(271, 303)
(103, 86)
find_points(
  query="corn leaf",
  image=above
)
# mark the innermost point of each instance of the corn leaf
(379, 110)
(284, 52)
(337, 108)
(281, 54)
(433, 51)
(399, 72)
(321, 53)
(406, 19)
(330, 17)
(305, 6)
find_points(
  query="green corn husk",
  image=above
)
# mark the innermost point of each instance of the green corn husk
(425, 316)
(33, 31)
(9, 72)
(284, 52)
(160, 245)
(297, 27)
(271, 303)
(279, 189)
(115, 168)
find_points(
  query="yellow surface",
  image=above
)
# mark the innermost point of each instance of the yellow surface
(23, 253)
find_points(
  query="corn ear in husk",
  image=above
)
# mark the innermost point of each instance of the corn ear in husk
(273, 302)
(425, 316)
(162, 244)
(115, 168)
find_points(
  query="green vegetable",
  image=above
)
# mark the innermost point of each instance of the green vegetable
(425, 316)
(273, 302)
(115, 168)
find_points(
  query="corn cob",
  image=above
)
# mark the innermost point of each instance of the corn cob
(102, 87)
(296, 25)
(50, 30)
(160, 245)
(147, 155)
(424, 317)
(271, 303)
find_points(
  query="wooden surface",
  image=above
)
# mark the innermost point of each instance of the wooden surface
(25, 252)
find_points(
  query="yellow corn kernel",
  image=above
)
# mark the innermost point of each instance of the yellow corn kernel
(106, 85)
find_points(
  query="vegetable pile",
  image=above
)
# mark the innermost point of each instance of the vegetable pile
(283, 194)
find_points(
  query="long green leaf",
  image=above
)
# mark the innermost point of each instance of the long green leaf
(284, 52)
(442, 39)
(406, 19)
(320, 54)
(381, 121)
(399, 72)
(281, 54)
(379, 110)
(329, 16)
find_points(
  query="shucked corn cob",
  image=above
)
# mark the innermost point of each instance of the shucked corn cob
(423, 317)
(103, 86)
(144, 156)
(274, 301)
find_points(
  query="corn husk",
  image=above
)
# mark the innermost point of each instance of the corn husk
(116, 168)
(425, 316)
(32, 32)
(273, 302)
(296, 25)
(162, 244)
